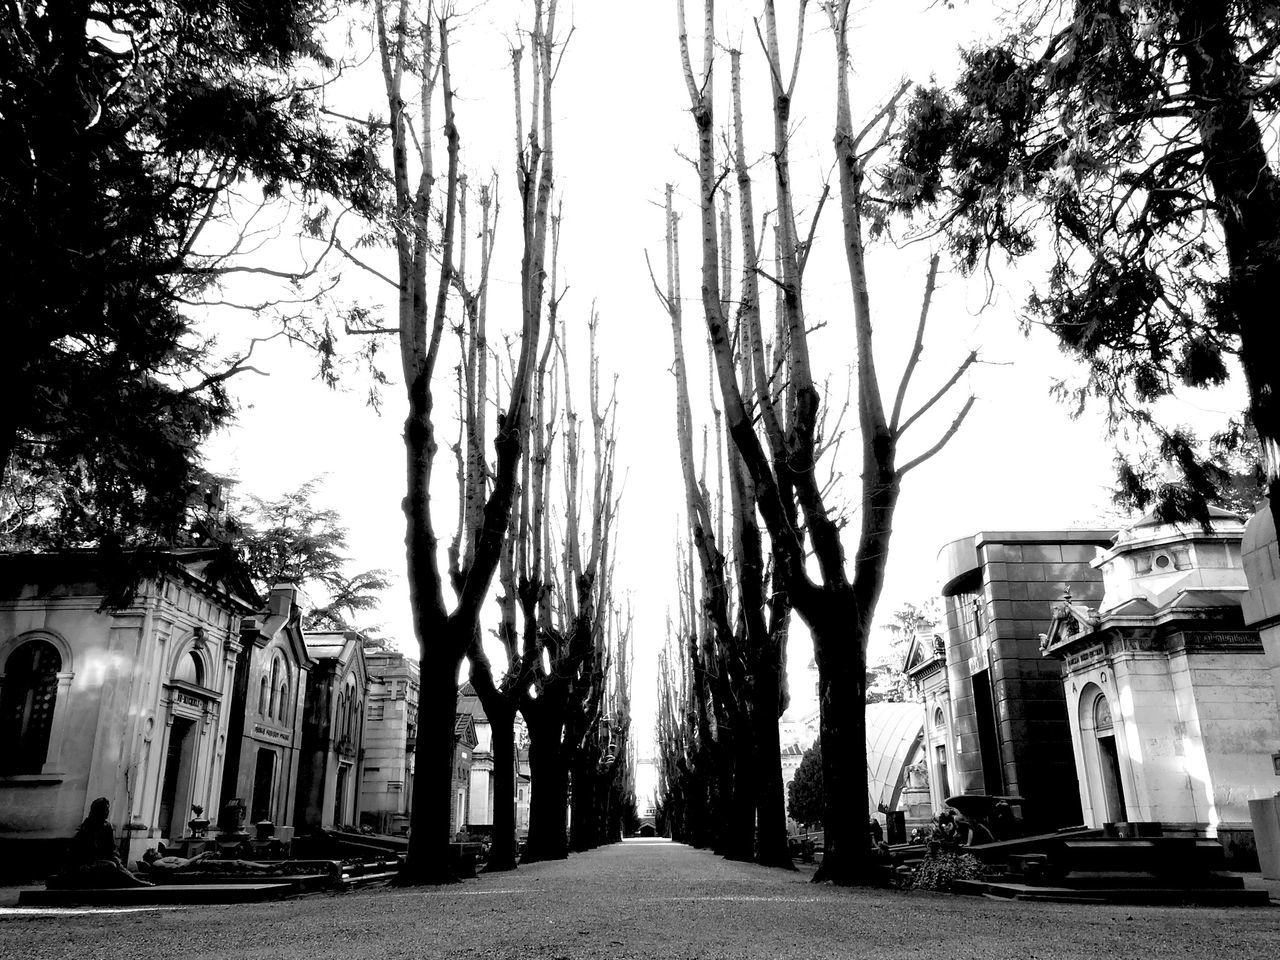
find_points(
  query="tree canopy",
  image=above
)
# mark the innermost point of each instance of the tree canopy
(137, 140)
(1128, 140)
(291, 540)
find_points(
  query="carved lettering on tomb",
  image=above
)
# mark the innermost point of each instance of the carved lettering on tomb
(268, 733)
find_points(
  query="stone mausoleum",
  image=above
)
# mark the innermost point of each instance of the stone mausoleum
(1172, 710)
(1000, 714)
(132, 703)
(390, 738)
(330, 770)
(187, 692)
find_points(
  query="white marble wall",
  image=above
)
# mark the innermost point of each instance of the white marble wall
(1192, 733)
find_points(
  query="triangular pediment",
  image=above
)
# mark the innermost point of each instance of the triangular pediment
(1070, 621)
(923, 649)
(464, 730)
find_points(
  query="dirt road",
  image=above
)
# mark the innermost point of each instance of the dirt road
(643, 899)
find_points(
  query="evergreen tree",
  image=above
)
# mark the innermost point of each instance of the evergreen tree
(132, 137)
(804, 793)
(1134, 133)
(291, 540)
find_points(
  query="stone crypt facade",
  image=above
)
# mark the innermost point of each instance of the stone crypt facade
(265, 729)
(331, 765)
(390, 738)
(925, 666)
(130, 703)
(1172, 709)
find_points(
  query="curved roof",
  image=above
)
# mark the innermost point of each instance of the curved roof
(894, 731)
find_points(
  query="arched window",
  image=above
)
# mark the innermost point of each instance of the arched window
(282, 716)
(346, 710)
(26, 706)
(262, 697)
(275, 686)
(938, 720)
(190, 670)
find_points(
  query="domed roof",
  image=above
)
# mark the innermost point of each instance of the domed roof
(893, 730)
(1149, 519)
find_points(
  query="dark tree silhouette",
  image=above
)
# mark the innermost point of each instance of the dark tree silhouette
(124, 130)
(416, 50)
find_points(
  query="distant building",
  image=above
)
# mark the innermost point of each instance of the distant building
(792, 754)
(1008, 723)
(134, 704)
(799, 729)
(464, 743)
(524, 789)
(1172, 712)
(332, 732)
(480, 802)
(390, 738)
(480, 809)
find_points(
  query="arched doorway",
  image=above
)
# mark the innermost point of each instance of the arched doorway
(1102, 756)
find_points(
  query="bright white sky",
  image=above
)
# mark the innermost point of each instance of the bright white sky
(621, 116)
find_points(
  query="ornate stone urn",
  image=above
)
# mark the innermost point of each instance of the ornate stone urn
(199, 823)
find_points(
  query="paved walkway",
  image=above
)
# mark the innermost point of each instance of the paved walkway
(643, 899)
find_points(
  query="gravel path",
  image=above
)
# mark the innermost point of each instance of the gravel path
(643, 899)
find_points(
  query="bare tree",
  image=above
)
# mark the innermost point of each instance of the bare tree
(408, 50)
(837, 607)
(522, 552)
(742, 656)
(567, 613)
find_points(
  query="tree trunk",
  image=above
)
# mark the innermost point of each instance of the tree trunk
(582, 825)
(500, 708)
(428, 860)
(549, 792)
(842, 683)
(770, 798)
(1247, 192)
(502, 851)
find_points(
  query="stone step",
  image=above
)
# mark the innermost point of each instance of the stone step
(1104, 879)
(1176, 855)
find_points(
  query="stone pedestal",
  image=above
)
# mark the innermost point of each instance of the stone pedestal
(1266, 832)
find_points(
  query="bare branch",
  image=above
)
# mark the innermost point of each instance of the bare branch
(941, 391)
(918, 347)
(951, 432)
